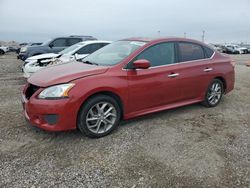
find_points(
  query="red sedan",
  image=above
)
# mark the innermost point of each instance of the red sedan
(126, 79)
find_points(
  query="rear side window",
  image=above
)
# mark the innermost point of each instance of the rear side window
(73, 41)
(90, 48)
(209, 52)
(160, 54)
(190, 52)
(59, 42)
(84, 50)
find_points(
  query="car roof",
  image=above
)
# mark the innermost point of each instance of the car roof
(152, 39)
(76, 36)
(94, 42)
(164, 39)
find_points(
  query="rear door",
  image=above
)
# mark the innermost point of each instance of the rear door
(195, 68)
(157, 85)
(72, 41)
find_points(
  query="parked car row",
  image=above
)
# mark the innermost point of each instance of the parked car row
(230, 48)
(122, 80)
(74, 52)
(51, 46)
(16, 48)
(3, 50)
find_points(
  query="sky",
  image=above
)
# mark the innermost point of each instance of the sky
(39, 20)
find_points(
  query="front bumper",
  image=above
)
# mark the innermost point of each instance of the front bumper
(50, 115)
(30, 69)
(22, 56)
(26, 74)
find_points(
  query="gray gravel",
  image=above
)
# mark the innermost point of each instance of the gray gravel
(192, 146)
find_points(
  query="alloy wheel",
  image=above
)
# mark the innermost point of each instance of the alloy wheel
(101, 117)
(215, 93)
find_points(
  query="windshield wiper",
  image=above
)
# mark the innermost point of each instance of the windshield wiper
(90, 63)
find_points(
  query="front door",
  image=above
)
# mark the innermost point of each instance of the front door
(157, 85)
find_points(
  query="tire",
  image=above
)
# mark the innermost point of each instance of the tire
(2, 52)
(93, 122)
(214, 93)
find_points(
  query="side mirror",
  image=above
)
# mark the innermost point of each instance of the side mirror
(141, 64)
(51, 45)
(76, 56)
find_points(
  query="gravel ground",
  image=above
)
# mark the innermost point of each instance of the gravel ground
(192, 146)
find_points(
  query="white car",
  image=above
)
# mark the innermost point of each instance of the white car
(235, 49)
(3, 50)
(74, 52)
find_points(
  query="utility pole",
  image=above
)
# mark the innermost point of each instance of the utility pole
(203, 36)
(159, 33)
(185, 34)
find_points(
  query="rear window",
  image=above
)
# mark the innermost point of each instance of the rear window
(190, 52)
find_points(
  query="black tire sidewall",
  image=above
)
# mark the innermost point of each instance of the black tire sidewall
(81, 119)
(206, 101)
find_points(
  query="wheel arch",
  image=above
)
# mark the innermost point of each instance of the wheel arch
(108, 93)
(223, 80)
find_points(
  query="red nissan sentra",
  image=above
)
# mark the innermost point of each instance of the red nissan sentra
(126, 79)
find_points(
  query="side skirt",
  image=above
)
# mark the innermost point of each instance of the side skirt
(160, 108)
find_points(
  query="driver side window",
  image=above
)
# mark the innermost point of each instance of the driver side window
(84, 50)
(159, 54)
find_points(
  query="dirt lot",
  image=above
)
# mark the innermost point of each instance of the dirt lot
(191, 146)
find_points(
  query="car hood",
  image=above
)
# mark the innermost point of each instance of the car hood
(63, 73)
(66, 57)
(43, 56)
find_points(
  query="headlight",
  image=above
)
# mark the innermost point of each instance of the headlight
(58, 91)
(23, 49)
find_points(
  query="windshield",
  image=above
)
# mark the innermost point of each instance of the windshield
(70, 50)
(113, 53)
(46, 42)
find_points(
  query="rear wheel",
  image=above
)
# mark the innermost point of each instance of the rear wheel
(214, 93)
(99, 116)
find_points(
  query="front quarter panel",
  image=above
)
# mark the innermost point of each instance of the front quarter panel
(110, 81)
(32, 50)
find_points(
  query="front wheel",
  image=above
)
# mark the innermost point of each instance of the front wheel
(214, 93)
(2, 52)
(99, 116)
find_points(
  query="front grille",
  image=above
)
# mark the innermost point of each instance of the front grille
(30, 91)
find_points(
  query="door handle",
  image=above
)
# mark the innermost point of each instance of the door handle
(173, 75)
(208, 69)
